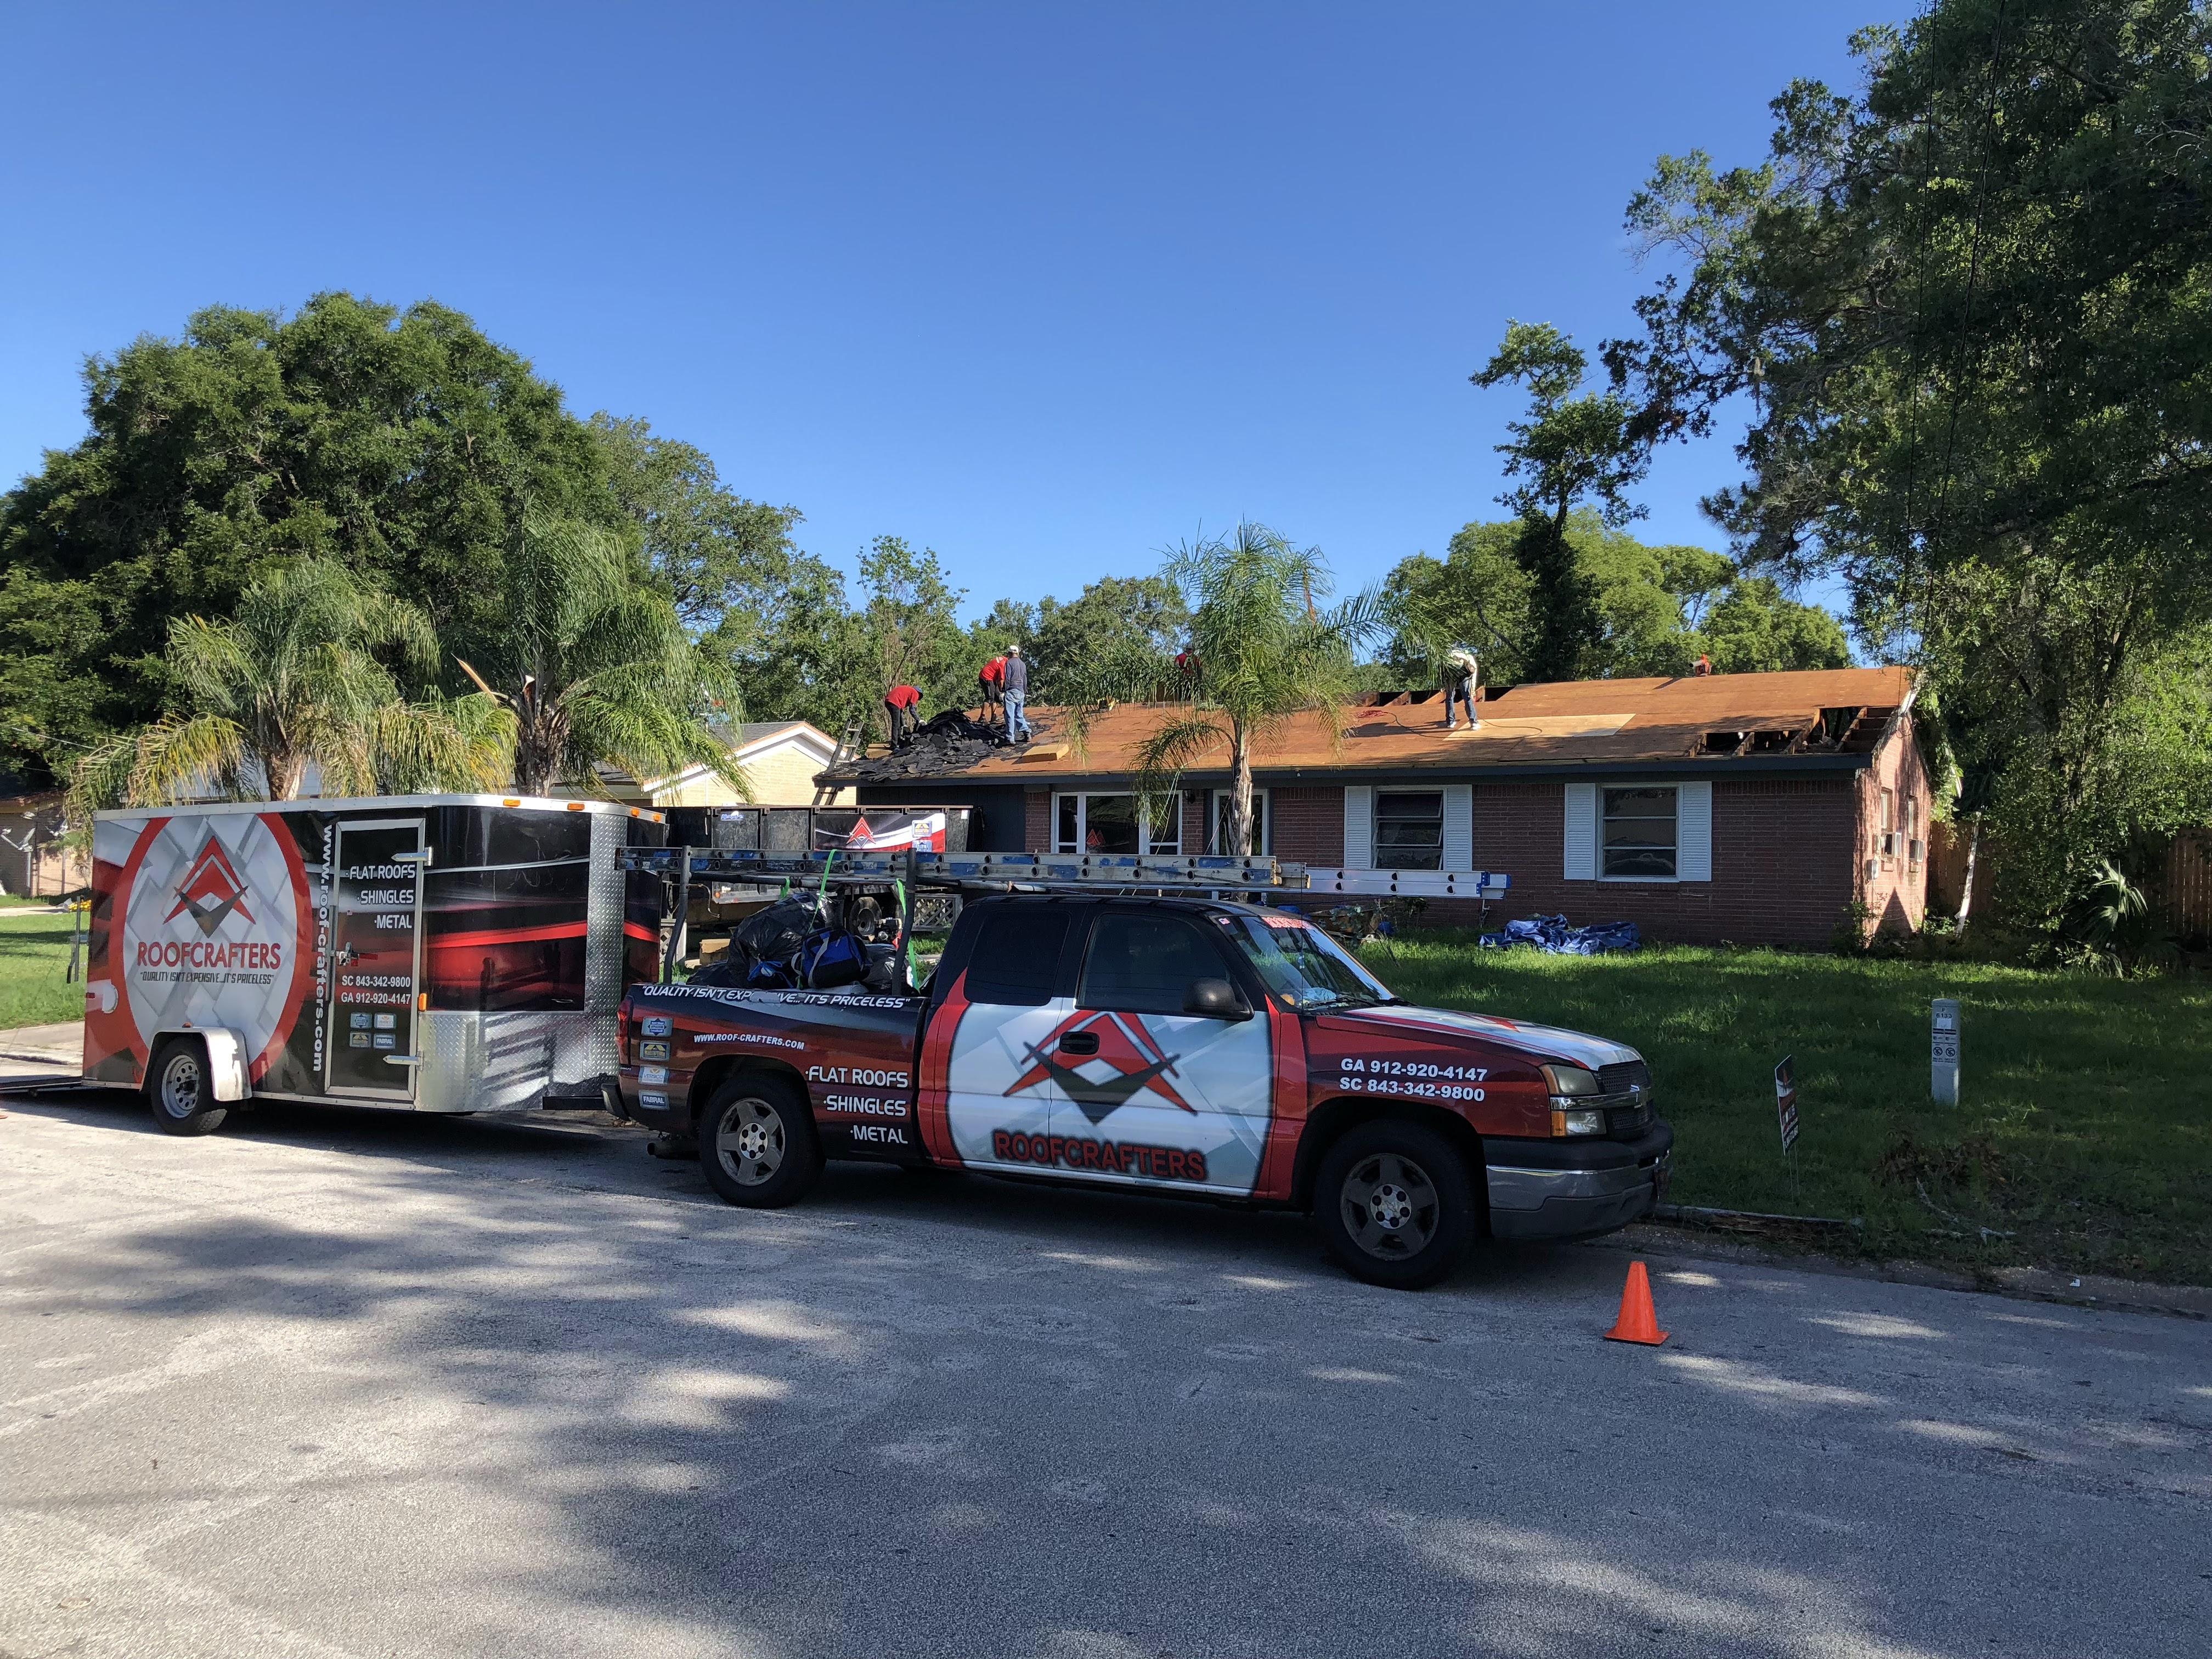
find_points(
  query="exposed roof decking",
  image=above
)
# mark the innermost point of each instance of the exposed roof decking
(1719, 717)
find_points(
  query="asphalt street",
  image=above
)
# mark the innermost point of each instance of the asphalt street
(347, 1383)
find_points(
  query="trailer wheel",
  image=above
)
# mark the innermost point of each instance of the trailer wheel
(180, 1091)
(1395, 1204)
(757, 1143)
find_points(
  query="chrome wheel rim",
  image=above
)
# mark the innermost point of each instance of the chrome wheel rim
(750, 1142)
(180, 1085)
(1390, 1207)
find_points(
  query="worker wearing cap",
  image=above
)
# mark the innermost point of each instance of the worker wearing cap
(903, 704)
(1462, 674)
(1014, 691)
(992, 680)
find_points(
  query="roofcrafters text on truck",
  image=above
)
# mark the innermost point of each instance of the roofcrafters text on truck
(1167, 1045)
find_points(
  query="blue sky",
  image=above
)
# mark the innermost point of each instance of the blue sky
(1046, 288)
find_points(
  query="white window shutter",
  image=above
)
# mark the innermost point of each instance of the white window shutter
(1358, 827)
(1582, 832)
(1694, 832)
(1459, 826)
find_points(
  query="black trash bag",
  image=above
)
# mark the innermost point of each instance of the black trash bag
(774, 934)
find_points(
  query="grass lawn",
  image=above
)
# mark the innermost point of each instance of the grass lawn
(34, 951)
(2084, 1131)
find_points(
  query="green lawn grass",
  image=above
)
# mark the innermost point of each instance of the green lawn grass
(2084, 1129)
(35, 952)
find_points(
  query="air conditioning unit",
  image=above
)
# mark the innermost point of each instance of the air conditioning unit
(1873, 869)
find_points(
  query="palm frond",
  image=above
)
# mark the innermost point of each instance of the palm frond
(1170, 750)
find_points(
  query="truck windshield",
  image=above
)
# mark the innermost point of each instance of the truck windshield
(1304, 966)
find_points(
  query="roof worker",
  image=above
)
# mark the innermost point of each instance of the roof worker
(1463, 680)
(1014, 691)
(903, 703)
(992, 680)
(1704, 666)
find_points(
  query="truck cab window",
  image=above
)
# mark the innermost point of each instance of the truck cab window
(1141, 963)
(1016, 957)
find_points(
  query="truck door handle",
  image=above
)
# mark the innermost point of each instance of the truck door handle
(1080, 1042)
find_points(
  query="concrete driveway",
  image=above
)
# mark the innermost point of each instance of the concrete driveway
(338, 1384)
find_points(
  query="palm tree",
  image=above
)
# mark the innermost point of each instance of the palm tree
(292, 680)
(594, 666)
(1264, 653)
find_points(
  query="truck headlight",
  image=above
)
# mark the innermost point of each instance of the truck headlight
(1584, 1121)
(1568, 1080)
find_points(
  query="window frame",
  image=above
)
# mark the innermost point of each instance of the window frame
(1674, 790)
(1154, 846)
(1216, 803)
(1375, 845)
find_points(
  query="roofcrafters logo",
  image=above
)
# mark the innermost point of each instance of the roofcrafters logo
(210, 889)
(208, 894)
(1101, 1061)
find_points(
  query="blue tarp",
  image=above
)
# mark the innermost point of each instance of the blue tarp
(1552, 934)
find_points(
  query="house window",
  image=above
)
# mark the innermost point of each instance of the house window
(1409, 830)
(1886, 833)
(1639, 835)
(1218, 839)
(1114, 823)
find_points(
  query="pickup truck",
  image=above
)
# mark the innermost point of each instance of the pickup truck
(1174, 1045)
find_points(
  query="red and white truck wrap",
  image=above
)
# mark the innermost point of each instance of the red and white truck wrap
(1171, 1045)
(431, 952)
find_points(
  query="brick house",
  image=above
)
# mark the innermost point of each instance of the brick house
(1749, 807)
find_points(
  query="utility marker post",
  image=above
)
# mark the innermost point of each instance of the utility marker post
(1943, 1050)
(1786, 1110)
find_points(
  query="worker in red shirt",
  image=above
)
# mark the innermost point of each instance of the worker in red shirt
(903, 704)
(1704, 666)
(992, 679)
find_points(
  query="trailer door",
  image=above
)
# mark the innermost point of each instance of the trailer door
(376, 958)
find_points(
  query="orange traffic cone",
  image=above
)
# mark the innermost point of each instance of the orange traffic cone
(1639, 1320)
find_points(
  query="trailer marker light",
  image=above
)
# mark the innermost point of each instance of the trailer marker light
(510, 803)
(422, 1002)
(575, 806)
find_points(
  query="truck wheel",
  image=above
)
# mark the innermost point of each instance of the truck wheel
(757, 1143)
(180, 1091)
(1395, 1204)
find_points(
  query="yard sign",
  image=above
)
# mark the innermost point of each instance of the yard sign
(1943, 1050)
(1785, 1101)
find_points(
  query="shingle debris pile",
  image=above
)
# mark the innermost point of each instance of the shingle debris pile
(946, 743)
(1551, 935)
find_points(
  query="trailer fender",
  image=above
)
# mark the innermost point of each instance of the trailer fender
(226, 1053)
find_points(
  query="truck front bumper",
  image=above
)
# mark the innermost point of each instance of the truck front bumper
(1573, 1189)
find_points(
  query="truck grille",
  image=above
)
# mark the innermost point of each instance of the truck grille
(1626, 1122)
(1623, 1075)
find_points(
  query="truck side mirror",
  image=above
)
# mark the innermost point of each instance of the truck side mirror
(1214, 999)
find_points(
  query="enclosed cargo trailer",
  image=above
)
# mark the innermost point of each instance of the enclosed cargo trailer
(435, 953)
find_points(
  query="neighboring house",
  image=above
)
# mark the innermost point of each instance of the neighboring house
(34, 863)
(1749, 807)
(779, 759)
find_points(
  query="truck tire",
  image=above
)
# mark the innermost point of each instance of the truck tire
(181, 1090)
(757, 1143)
(1395, 1204)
